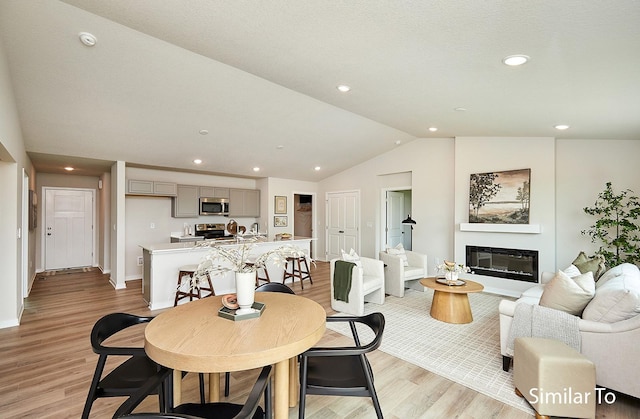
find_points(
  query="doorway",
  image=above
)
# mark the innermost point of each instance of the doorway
(397, 207)
(343, 221)
(68, 228)
(303, 217)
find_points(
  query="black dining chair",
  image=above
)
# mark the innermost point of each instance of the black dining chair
(342, 371)
(251, 409)
(131, 374)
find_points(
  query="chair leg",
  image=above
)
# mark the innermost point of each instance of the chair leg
(91, 397)
(372, 390)
(201, 379)
(506, 363)
(303, 387)
(227, 377)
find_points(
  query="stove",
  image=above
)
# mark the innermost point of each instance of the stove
(210, 231)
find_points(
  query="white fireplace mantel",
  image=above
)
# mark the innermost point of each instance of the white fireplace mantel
(501, 228)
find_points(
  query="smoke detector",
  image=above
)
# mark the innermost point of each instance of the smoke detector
(87, 39)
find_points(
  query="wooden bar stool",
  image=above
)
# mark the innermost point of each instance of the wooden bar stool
(258, 277)
(299, 269)
(191, 293)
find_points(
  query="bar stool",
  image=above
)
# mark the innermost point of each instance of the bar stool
(299, 269)
(191, 293)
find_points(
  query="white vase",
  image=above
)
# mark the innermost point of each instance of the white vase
(245, 291)
(451, 276)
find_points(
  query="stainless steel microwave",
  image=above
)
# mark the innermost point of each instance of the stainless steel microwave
(214, 206)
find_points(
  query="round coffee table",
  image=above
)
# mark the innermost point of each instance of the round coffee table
(450, 302)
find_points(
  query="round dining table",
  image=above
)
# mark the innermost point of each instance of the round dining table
(192, 337)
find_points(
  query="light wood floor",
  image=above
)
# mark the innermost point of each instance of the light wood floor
(46, 363)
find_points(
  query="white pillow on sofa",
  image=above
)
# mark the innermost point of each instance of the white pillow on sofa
(399, 251)
(568, 294)
(352, 257)
(616, 299)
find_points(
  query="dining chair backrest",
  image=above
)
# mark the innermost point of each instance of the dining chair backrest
(274, 287)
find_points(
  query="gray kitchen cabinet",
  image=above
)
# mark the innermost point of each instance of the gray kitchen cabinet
(185, 203)
(213, 192)
(149, 187)
(244, 203)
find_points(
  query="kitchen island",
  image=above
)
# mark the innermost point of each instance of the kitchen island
(163, 261)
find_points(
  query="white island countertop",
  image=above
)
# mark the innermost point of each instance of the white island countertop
(162, 262)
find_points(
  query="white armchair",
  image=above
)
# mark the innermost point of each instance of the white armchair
(367, 285)
(397, 276)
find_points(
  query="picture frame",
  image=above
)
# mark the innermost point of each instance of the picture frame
(280, 205)
(500, 197)
(280, 221)
(33, 210)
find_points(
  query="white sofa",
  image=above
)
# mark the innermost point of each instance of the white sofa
(612, 345)
(367, 285)
(397, 276)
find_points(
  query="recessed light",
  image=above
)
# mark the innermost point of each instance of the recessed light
(515, 60)
(280, 147)
(69, 169)
(433, 129)
(197, 161)
(87, 39)
(203, 132)
(460, 109)
(256, 169)
(316, 168)
(343, 88)
(561, 127)
(397, 142)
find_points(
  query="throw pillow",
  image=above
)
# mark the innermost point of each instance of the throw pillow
(352, 257)
(572, 270)
(568, 294)
(618, 299)
(399, 251)
(594, 264)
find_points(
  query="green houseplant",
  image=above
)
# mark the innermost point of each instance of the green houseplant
(616, 229)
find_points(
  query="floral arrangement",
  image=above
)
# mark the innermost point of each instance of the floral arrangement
(239, 258)
(452, 267)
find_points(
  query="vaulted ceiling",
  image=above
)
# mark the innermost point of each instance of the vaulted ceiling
(260, 77)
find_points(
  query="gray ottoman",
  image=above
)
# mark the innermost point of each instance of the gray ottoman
(554, 378)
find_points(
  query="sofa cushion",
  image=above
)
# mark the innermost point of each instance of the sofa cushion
(398, 251)
(568, 294)
(617, 299)
(626, 269)
(352, 257)
(594, 264)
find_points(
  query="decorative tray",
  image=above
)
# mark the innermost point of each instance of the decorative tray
(457, 283)
(230, 314)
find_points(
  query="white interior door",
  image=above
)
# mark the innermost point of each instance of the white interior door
(343, 221)
(68, 228)
(395, 215)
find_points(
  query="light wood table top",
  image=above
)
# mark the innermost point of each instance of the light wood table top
(192, 337)
(450, 302)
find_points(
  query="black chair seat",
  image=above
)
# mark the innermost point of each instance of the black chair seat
(221, 409)
(127, 377)
(346, 373)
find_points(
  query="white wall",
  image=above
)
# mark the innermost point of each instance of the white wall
(13, 159)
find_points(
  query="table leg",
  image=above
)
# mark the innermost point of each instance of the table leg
(281, 405)
(293, 382)
(451, 307)
(214, 387)
(177, 387)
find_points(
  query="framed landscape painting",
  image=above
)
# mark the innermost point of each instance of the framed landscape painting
(500, 197)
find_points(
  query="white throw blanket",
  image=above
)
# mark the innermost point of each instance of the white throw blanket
(543, 322)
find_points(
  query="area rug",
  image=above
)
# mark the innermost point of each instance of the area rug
(65, 271)
(468, 354)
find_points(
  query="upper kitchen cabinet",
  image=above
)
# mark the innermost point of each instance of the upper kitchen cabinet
(149, 187)
(185, 204)
(213, 192)
(244, 203)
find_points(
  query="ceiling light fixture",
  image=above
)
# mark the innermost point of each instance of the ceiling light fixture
(561, 127)
(69, 169)
(197, 161)
(343, 88)
(256, 169)
(280, 147)
(515, 60)
(203, 132)
(87, 39)
(316, 168)
(433, 129)
(460, 109)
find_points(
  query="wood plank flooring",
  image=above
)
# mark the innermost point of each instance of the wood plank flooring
(46, 363)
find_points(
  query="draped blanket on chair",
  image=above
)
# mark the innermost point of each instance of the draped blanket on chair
(342, 280)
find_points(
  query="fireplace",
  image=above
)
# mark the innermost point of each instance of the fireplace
(518, 264)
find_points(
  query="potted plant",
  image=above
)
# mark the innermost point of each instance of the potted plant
(616, 228)
(452, 270)
(240, 259)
